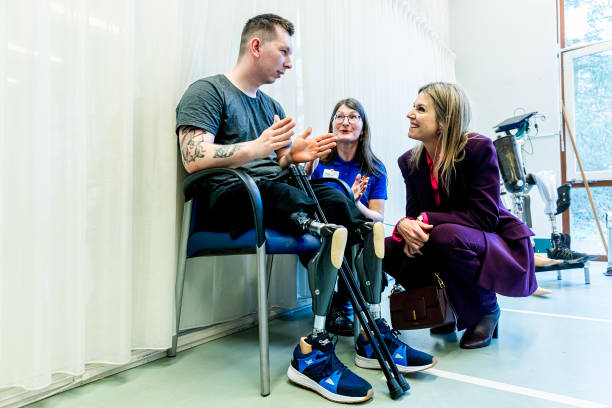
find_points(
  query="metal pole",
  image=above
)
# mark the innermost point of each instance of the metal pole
(180, 275)
(262, 302)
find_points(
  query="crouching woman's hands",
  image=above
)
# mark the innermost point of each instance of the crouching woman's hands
(415, 235)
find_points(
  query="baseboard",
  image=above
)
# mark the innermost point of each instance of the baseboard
(18, 397)
(195, 338)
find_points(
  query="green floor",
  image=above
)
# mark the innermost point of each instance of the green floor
(559, 356)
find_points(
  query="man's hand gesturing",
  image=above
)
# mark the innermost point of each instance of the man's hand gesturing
(273, 138)
(305, 149)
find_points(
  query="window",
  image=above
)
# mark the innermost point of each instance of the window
(588, 102)
(587, 83)
(587, 21)
(585, 235)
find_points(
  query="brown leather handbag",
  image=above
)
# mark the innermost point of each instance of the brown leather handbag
(420, 308)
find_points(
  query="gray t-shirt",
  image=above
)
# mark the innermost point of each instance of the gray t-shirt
(219, 107)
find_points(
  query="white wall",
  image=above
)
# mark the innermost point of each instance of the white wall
(506, 58)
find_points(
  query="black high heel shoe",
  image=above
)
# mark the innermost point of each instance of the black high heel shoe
(480, 334)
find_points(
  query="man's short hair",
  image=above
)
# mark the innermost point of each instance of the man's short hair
(264, 25)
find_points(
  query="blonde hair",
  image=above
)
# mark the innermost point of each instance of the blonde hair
(453, 115)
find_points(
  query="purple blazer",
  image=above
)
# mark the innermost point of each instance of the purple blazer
(474, 201)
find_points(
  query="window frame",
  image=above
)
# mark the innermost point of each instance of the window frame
(568, 56)
(563, 139)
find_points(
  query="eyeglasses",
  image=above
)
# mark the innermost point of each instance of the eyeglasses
(351, 118)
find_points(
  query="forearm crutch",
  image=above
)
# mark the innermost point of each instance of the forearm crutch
(395, 381)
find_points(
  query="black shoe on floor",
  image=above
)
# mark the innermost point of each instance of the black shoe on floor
(338, 322)
(480, 334)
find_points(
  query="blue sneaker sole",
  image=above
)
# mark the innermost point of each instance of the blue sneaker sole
(303, 381)
(372, 363)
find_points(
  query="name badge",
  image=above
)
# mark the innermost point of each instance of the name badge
(331, 173)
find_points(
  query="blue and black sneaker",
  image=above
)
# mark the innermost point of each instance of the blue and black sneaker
(315, 366)
(407, 359)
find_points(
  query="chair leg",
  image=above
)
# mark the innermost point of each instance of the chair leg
(262, 304)
(558, 274)
(180, 274)
(587, 273)
(269, 264)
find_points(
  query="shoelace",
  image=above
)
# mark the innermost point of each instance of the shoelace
(333, 363)
(390, 335)
(564, 253)
(393, 338)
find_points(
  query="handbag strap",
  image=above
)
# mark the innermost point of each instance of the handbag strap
(399, 288)
(440, 281)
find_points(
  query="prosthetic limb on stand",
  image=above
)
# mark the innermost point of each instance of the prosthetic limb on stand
(560, 242)
(395, 381)
(545, 180)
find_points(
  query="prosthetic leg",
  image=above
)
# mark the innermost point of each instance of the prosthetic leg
(516, 182)
(395, 381)
(314, 364)
(323, 267)
(368, 263)
(545, 181)
(560, 242)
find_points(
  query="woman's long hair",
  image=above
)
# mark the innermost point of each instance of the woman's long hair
(364, 155)
(453, 115)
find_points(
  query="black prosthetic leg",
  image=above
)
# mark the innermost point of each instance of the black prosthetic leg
(368, 261)
(323, 267)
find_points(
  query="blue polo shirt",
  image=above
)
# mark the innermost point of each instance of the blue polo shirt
(348, 170)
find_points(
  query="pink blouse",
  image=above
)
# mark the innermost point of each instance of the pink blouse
(434, 184)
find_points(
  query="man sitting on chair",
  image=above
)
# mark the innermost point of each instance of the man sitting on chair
(226, 121)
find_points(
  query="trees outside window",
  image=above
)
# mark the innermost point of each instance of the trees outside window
(587, 80)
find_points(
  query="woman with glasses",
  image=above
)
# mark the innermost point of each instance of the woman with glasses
(353, 162)
(455, 221)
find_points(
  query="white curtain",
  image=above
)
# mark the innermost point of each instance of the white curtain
(88, 184)
(88, 161)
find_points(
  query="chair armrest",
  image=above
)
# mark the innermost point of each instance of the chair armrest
(193, 180)
(345, 187)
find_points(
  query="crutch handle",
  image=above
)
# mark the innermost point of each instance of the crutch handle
(297, 170)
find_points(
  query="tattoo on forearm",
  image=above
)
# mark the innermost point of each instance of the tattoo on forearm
(191, 144)
(224, 152)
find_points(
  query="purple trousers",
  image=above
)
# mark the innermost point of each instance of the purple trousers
(456, 253)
